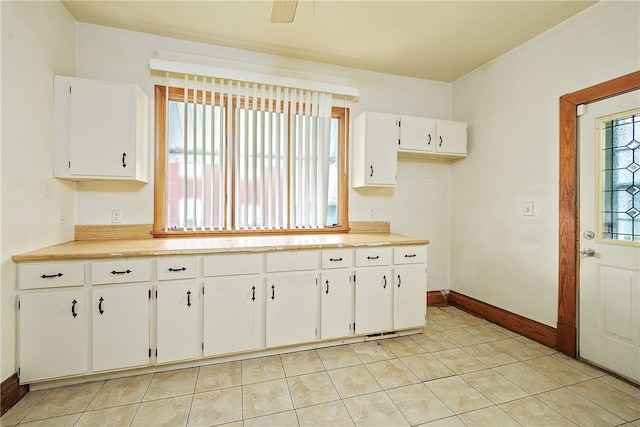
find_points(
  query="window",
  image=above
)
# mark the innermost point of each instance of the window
(245, 158)
(621, 178)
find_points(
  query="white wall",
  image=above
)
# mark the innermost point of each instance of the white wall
(38, 41)
(118, 55)
(498, 255)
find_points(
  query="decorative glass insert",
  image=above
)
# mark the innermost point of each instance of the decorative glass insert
(621, 178)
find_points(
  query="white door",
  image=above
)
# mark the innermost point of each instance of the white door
(374, 300)
(120, 315)
(409, 296)
(52, 335)
(336, 304)
(233, 315)
(292, 309)
(609, 295)
(178, 315)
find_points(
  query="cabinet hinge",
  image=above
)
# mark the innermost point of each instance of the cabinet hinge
(150, 294)
(354, 277)
(156, 353)
(18, 304)
(156, 294)
(69, 164)
(203, 346)
(69, 89)
(149, 353)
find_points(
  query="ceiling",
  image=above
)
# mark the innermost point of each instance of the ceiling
(434, 40)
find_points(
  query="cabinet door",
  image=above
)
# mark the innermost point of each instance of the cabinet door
(381, 149)
(374, 297)
(336, 304)
(452, 137)
(292, 309)
(178, 314)
(102, 129)
(120, 315)
(417, 134)
(52, 334)
(233, 315)
(410, 296)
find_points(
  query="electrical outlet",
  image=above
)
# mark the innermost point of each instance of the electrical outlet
(115, 216)
(374, 213)
(60, 216)
(527, 209)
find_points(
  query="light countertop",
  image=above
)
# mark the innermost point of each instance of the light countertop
(137, 248)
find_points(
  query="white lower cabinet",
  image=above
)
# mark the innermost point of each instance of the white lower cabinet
(409, 296)
(291, 309)
(336, 302)
(233, 315)
(52, 334)
(374, 300)
(120, 326)
(177, 324)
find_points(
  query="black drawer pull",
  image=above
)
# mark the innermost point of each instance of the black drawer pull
(399, 280)
(121, 272)
(410, 256)
(100, 305)
(335, 259)
(188, 298)
(177, 269)
(49, 276)
(385, 282)
(273, 292)
(73, 307)
(327, 292)
(253, 293)
(373, 257)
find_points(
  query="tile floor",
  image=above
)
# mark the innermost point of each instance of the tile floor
(462, 371)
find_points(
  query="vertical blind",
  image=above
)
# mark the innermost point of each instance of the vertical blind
(245, 155)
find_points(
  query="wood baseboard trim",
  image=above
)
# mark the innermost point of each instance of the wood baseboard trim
(11, 393)
(370, 227)
(107, 232)
(514, 322)
(436, 298)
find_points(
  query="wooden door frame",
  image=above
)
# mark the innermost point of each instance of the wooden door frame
(566, 341)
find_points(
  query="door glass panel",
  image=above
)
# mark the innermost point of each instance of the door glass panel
(620, 195)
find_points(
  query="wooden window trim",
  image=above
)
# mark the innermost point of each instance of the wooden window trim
(160, 175)
(568, 274)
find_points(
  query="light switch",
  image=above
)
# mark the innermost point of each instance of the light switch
(527, 209)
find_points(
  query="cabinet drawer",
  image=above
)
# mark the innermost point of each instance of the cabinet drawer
(410, 254)
(336, 258)
(292, 261)
(122, 271)
(50, 275)
(176, 268)
(231, 264)
(373, 256)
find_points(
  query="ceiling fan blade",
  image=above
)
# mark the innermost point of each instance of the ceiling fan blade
(283, 11)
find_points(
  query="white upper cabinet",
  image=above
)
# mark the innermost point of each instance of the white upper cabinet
(100, 130)
(436, 138)
(375, 147)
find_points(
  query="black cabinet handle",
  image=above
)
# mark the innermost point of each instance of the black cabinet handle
(177, 269)
(440, 145)
(429, 141)
(373, 257)
(385, 282)
(327, 292)
(49, 276)
(124, 165)
(371, 174)
(273, 292)
(410, 256)
(100, 305)
(121, 272)
(188, 298)
(399, 280)
(73, 308)
(335, 259)
(253, 293)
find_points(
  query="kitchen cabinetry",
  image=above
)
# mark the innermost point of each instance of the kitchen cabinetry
(439, 138)
(410, 287)
(52, 319)
(52, 324)
(336, 294)
(120, 313)
(375, 146)
(178, 299)
(120, 331)
(100, 130)
(233, 304)
(291, 298)
(374, 291)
